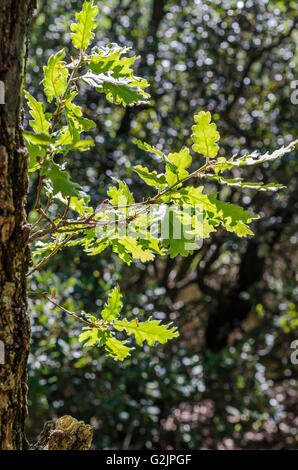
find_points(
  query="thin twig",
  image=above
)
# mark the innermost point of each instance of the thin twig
(85, 222)
(68, 312)
(46, 258)
(67, 209)
(56, 117)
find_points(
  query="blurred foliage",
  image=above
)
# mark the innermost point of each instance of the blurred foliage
(227, 382)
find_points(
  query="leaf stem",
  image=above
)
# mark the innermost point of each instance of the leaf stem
(46, 258)
(68, 312)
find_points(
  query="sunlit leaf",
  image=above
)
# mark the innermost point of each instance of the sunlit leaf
(55, 76)
(151, 331)
(151, 177)
(34, 151)
(83, 29)
(147, 147)
(60, 180)
(123, 90)
(176, 171)
(255, 158)
(241, 183)
(109, 59)
(117, 349)
(205, 135)
(41, 119)
(113, 306)
(41, 138)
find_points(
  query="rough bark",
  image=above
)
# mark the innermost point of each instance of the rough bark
(15, 18)
(67, 433)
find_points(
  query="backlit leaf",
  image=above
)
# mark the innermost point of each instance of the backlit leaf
(55, 76)
(40, 121)
(60, 180)
(151, 331)
(83, 29)
(113, 306)
(205, 135)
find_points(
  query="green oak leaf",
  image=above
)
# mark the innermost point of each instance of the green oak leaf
(69, 105)
(241, 183)
(34, 151)
(125, 191)
(151, 331)
(60, 180)
(234, 218)
(205, 135)
(93, 336)
(96, 248)
(55, 76)
(117, 349)
(148, 148)
(41, 138)
(83, 29)
(113, 306)
(151, 177)
(41, 119)
(176, 171)
(120, 196)
(108, 60)
(121, 251)
(135, 249)
(126, 91)
(255, 158)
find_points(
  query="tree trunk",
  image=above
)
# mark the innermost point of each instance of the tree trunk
(15, 18)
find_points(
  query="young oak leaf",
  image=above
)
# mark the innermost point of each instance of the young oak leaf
(102, 334)
(241, 183)
(41, 119)
(148, 148)
(55, 76)
(151, 177)
(234, 218)
(177, 170)
(41, 138)
(125, 190)
(255, 158)
(95, 249)
(121, 251)
(205, 135)
(94, 335)
(126, 91)
(151, 331)
(108, 59)
(60, 180)
(134, 248)
(113, 306)
(34, 151)
(120, 196)
(83, 30)
(114, 347)
(117, 349)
